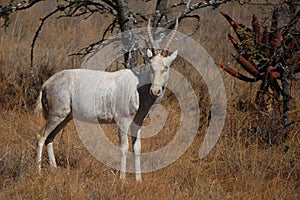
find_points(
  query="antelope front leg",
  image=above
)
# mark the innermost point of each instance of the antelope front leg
(136, 143)
(123, 148)
(51, 154)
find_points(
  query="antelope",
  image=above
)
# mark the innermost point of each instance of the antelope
(56, 101)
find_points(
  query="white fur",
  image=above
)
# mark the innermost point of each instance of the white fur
(102, 97)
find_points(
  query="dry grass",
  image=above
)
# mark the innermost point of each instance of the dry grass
(238, 168)
(250, 160)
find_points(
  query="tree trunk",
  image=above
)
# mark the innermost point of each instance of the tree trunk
(131, 56)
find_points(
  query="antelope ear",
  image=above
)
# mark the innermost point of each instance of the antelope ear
(149, 53)
(173, 56)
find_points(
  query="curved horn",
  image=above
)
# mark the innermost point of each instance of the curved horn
(154, 49)
(165, 51)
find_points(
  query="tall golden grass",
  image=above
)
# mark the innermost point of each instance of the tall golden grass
(250, 161)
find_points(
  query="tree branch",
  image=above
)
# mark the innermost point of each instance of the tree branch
(6, 11)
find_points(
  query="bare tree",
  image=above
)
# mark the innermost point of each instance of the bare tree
(123, 18)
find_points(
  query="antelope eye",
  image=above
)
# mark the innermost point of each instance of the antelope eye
(166, 68)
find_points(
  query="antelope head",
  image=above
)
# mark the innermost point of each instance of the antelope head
(160, 63)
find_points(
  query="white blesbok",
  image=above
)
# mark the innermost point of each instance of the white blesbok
(120, 97)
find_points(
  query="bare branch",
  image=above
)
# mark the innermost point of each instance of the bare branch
(91, 47)
(6, 11)
(59, 8)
